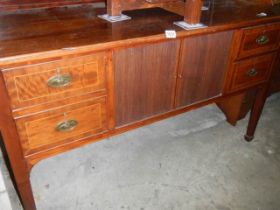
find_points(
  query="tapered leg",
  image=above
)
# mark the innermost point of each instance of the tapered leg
(26, 195)
(20, 171)
(256, 112)
(19, 174)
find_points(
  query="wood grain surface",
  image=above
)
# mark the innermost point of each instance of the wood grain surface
(15, 5)
(147, 74)
(39, 131)
(63, 29)
(28, 85)
(202, 67)
(145, 78)
(249, 45)
(262, 65)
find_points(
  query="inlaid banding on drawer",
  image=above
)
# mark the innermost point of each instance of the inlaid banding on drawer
(259, 40)
(50, 81)
(252, 71)
(62, 125)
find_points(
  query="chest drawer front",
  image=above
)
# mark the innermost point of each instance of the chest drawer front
(259, 40)
(63, 125)
(251, 72)
(40, 83)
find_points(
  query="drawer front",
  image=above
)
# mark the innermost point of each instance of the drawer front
(62, 125)
(251, 72)
(41, 83)
(259, 40)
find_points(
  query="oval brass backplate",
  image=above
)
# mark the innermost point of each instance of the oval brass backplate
(66, 125)
(60, 80)
(263, 39)
(252, 72)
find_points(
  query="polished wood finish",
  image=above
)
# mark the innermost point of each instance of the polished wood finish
(75, 34)
(247, 103)
(75, 29)
(237, 106)
(257, 108)
(263, 63)
(241, 71)
(193, 11)
(11, 5)
(36, 157)
(249, 40)
(251, 72)
(140, 76)
(238, 109)
(39, 131)
(28, 85)
(145, 79)
(17, 161)
(231, 107)
(202, 67)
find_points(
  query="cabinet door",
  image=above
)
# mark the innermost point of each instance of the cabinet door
(202, 67)
(145, 80)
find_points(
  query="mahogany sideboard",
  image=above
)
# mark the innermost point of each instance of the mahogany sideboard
(68, 78)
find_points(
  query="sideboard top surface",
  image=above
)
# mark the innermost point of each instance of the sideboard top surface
(30, 32)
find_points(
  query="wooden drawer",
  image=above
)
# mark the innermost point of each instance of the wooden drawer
(41, 83)
(62, 125)
(251, 72)
(259, 40)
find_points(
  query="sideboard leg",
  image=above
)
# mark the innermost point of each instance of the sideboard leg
(26, 195)
(18, 165)
(256, 112)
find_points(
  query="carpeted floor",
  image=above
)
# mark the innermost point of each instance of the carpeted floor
(195, 161)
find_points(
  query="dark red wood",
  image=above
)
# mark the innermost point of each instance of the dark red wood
(145, 67)
(256, 111)
(11, 5)
(145, 78)
(202, 67)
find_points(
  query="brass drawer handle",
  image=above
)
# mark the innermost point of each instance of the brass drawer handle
(252, 72)
(263, 39)
(67, 125)
(60, 80)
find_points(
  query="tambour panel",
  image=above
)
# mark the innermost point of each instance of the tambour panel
(202, 67)
(145, 79)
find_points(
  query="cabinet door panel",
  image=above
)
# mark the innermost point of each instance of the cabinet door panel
(145, 80)
(202, 67)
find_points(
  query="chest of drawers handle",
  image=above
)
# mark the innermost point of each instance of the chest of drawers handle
(252, 72)
(60, 80)
(67, 125)
(261, 40)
